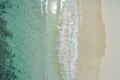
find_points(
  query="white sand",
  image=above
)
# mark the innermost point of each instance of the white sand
(92, 38)
(110, 66)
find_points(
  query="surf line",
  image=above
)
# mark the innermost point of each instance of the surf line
(68, 38)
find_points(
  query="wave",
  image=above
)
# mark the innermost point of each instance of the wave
(68, 38)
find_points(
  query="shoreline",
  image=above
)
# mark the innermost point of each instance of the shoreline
(91, 38)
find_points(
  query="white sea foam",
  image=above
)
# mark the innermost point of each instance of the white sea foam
(61, 3)
(68, 48)
(54, 7)
(46, 6)
(42, 7)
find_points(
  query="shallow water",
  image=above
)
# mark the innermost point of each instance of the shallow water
(30, 36)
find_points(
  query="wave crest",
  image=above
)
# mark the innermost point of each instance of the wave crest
(68, 37)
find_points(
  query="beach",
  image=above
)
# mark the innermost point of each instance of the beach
(109, 68)
(91, 40)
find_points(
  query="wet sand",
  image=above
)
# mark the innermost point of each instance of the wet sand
(92, 38)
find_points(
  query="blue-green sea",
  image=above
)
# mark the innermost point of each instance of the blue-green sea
(30, 38)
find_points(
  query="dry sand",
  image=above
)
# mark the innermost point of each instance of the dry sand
(92, 38)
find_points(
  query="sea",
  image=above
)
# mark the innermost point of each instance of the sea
(38, 39)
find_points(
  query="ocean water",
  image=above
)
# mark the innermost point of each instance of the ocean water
(32, 34)
(68, 38)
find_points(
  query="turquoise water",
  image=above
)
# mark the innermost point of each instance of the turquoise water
(34, 41)
(38, 39)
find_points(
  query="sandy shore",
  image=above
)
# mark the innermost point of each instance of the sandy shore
(92, 38)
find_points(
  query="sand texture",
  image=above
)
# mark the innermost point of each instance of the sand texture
(92, 38)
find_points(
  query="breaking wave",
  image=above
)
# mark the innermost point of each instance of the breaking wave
(68, 38)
